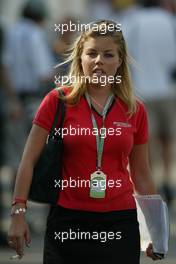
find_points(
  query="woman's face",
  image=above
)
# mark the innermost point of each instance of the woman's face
(100, 57)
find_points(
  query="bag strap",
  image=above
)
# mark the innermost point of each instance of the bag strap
(60, 109)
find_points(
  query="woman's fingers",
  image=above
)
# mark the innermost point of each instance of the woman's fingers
(18, 236)
(12, 242)
(27, 237)
(20, 246)
(17, 244)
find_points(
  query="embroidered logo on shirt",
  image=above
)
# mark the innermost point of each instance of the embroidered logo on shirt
(121, 124)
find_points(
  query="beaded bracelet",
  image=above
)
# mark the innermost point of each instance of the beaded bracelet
(18, 211)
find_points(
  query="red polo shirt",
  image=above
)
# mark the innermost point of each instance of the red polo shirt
(79, 160)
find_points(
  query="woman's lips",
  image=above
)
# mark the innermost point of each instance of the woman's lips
(98, 72)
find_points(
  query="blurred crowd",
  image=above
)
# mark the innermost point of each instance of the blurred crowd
(28, 54)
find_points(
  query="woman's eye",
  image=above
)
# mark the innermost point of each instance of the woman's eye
(109, 55)
(92, 54)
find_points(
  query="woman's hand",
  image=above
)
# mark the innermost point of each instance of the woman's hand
(19, 234)
(150, 254)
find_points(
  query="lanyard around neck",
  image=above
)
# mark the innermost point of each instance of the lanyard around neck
(99, 138)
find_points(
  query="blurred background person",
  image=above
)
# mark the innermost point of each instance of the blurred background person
(124, 8)
(151, 39)
(99, 9)
(28, 65)
(169, 5)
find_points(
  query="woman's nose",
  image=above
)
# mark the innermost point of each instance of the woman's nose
(99, 59)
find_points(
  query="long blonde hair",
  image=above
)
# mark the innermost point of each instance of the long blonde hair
(123, 90)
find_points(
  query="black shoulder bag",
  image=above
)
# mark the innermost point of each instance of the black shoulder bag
(48, 169)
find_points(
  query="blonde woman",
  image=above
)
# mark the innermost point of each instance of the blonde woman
(105, 132)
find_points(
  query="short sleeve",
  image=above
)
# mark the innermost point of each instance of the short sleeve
(141, 134)
(44, 116)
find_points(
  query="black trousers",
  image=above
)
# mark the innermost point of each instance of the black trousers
(82, 237)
